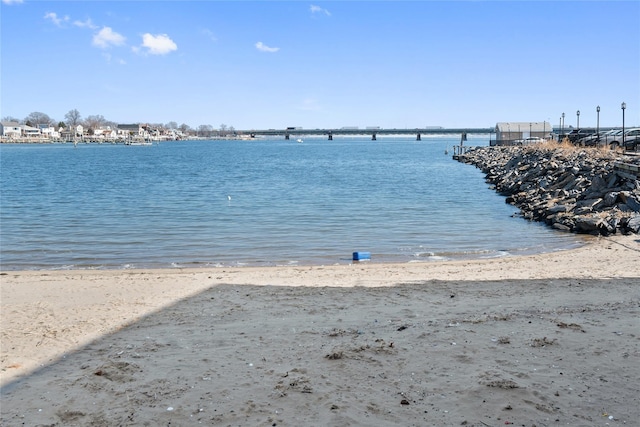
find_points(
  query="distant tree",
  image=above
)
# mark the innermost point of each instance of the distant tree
(37, 118)
(11, 119)
(94, 122)
(184, 128)
(61, 125)
(205, 130)
(112, 125)
(171, 125)
(73, 118)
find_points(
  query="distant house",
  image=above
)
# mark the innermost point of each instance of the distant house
(135, 129)
(10, 130)
(105, 132)
(71, 133)
(30, 131)
(508, 133)
(48, 131)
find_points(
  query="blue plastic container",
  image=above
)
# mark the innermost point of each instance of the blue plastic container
(362, 256)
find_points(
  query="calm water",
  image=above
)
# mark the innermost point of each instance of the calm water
(264, 202)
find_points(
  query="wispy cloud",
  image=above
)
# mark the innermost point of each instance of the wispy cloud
(317, 9)
(209, 34)
(86, 24)
(106, 37)
(12, 1)
(264, 48)
(53, 17)
(160, 44)
(107, 56)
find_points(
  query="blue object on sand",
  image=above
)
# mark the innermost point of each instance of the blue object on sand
(361, 256)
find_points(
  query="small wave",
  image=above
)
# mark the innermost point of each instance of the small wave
(423, 254)
(498, 254)
(438, 258)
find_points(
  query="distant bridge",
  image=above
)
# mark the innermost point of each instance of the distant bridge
(374, 132)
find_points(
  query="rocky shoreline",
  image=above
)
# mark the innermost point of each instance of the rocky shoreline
(580, 190)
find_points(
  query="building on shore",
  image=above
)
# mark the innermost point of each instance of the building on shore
(518, 133)
(9, 130)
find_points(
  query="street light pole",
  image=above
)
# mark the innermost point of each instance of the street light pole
(624, 107)
(578, 114)
(598, 123)
(562, 127)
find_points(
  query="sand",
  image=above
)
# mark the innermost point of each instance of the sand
(549, 339)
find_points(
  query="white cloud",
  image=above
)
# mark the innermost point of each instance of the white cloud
(53, 17)
(159, 44)
(318, 9)
(107, 37)
(264, 48)
(86, 24)
(12, 1)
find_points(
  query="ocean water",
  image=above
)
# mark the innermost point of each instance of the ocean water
(261, 202)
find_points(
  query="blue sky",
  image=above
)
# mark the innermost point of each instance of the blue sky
(267, 64)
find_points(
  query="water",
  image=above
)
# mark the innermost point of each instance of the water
(263, 202)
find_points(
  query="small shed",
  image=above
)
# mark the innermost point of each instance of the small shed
(508, 133)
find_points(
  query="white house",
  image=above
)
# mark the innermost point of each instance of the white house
(10, 130)
(48, 131)
(30, 131)
(105, 132)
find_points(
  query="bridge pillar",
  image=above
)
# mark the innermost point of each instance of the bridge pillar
(286, 136)
(373, 137)
(330, 136)
(418, 138)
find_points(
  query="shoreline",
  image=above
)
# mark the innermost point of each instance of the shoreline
(580, 240)
(55, 322)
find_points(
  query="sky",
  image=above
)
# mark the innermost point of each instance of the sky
(275, 64)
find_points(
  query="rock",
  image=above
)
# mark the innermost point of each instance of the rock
(588, 203)
(630, 200)
(561, 227)
(611, 198)
(588, 224)
(571, 190)
(558, 208)
(633, 224)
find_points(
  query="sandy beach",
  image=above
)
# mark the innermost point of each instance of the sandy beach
(549, 339)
